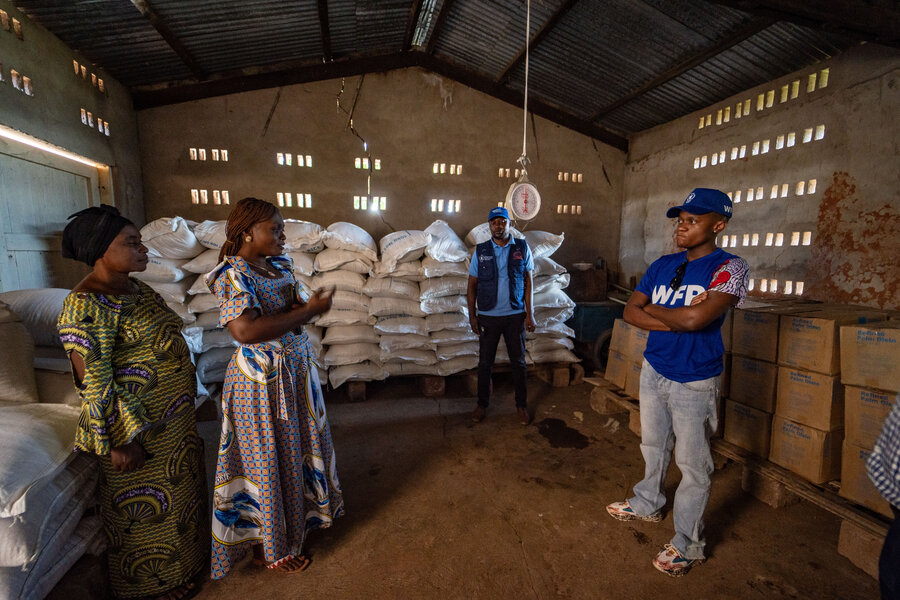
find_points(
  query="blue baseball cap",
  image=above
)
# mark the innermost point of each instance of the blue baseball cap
(702, 201)
(498, 211)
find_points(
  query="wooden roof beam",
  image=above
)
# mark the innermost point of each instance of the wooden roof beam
(325, 30)
(537, 39)
(748, 30)
(438, 25)
(414, 11)
(169, 36)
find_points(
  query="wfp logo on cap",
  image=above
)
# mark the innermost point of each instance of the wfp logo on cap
(689, 198)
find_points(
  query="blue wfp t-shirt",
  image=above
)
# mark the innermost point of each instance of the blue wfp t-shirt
(694, 355)
(501, 259)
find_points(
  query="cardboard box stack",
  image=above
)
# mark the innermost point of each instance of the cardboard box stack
(870, 369)
(808, 427)
(626, 354)
(753, 376)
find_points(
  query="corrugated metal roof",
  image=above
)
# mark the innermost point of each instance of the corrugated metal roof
(625, 65)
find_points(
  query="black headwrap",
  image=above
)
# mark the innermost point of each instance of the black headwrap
(91, 231)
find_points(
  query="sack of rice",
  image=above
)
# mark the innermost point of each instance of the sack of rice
(203, 263)
(447, 320)
(351, 354)
(347, 281)
(543, 243)
(391, 287)
(457, 365)
(347, 236)
(438, 287)
(391, 342)
(482, 233)
(304, 263)
(172, 292)
(162, 270)
(170, 237)
(343, 316)
(350, 334)
(350, 301)
(302, 236)
(330, 259)
(400, 324)
(365, 371)
(552, 298)
(445, 245)
(411, 270)
(380, 307)
(547, 266)
(450, 351)
(435, 268)
(431, 306)
(414, 355)
(402, 246)
(211, 234)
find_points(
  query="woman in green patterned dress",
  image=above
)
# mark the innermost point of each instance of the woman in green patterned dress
(134, 375)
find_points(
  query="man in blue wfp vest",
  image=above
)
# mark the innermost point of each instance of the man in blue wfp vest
(499, 299)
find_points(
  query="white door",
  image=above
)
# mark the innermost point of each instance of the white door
(38, 191)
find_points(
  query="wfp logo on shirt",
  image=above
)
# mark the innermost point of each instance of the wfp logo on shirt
(663, 294)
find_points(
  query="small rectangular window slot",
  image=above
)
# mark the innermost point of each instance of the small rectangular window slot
(74, 62)
(746, 240)
(746, 107)
(708, 120)
(357, 163)
(737, 110)
(785, 189)
(770, 98)
(759, 193)
(743, 151)
(356, 203)
(559, 207)
(714, 160)
(760, 102)
(734, 153)
(225, 197)
(722, 156)
(703, 161)
(755, 150)
(791, 139)
(737, 196)
(799, 288)
(84, 72)
(751, 284)
(195, 196)
(788, 287)
(807, 135)
(83, 117)
(215, 155)
(719, 117)
(565, 209)
(204, 197)
(770, 239)
(453, 169)
(727, 116)
(795, 238)
(106, 128)
(217, 197)
(90, 116)
(779, 142)
(26, 86)
(811, 186)
(301, 161)
(443, 168)
(773, 285)
(811, 83)
(279, 158)
(100, 85)
(723, 243)
(784, 94)
(702, 123)
(750, 194)
(765, 147)
(754, 241)
(99, 124)
(378, 166)
(807, 238)
(774, 193)
(94, 79)
(779, 239)
(224, 154)
(507, 173)
(192, 152)
(565, 176)
(696, 166)
(579, 209)
(580, 177)
(820, 132)
(795, 88)
(280, 197)
(365, 163)
(763, 285)
(288, 159)
(202, 153)
(823, 78)
(288, 199)
(309, 161)
(734, 241)
(17, 29)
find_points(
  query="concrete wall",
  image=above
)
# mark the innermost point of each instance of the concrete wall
(410, 119)
(53, 113)
(853, 216)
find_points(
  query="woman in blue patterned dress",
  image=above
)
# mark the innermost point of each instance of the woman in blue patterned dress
(276, 477)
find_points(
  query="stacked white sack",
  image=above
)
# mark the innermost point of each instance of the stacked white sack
(404, 345)
(550, 341)
(352, 346)
(443, 299)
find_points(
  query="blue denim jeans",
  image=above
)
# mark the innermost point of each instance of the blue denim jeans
(677, 416)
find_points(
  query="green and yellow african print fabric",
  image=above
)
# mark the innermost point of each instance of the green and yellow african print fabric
(139, 385)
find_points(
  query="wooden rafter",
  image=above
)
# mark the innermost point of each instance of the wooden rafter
(748, 30)
(538, 38)
(325, 30)
(169, 36)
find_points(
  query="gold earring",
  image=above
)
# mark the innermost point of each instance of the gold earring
(248, 239)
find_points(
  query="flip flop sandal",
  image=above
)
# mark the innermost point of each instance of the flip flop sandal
(276, 566)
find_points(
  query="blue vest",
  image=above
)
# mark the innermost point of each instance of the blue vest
(488, 277)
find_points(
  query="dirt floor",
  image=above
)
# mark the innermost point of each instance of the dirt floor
(439, 507)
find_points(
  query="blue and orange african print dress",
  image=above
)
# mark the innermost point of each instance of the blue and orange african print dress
(276, 477)
(139, 385)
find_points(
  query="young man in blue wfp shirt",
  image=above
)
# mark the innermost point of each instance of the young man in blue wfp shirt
(682, 299)
(499, 301)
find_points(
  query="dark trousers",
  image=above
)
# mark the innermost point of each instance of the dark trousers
(512, 328)
(889, 563)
